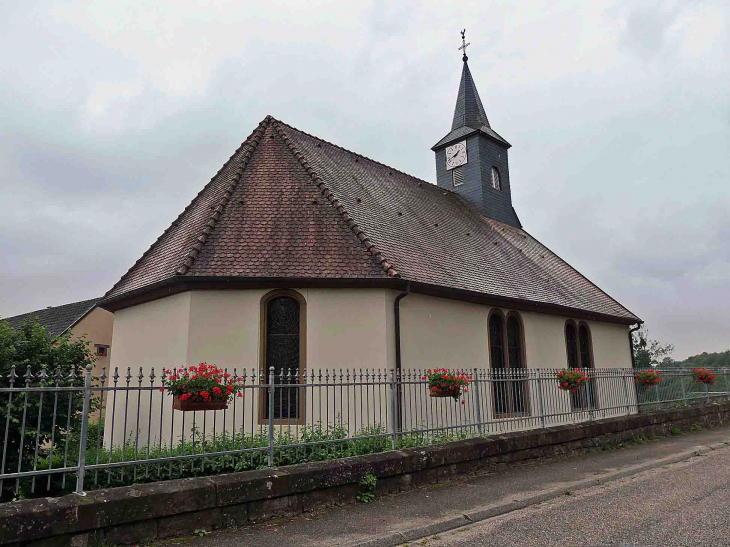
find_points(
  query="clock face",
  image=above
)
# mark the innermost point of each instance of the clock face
(456, 155)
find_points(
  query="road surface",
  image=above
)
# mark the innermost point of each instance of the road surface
(686, 504)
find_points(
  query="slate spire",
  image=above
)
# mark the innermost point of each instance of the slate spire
(469, 111)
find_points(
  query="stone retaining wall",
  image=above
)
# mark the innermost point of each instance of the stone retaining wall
(135, 514)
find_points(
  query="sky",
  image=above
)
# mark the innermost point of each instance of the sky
(113, 115)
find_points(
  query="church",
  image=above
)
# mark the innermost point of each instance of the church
(302, 255)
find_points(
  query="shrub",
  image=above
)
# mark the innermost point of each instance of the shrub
(30, 349)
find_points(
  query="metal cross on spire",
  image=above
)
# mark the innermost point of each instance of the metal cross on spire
(464, 44)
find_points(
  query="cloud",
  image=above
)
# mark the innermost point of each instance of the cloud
(115, 114)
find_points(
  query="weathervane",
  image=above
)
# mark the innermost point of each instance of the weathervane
(464, 44)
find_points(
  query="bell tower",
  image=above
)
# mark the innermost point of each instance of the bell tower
(471, 159)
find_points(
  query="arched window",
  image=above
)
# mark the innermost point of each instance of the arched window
(514, 342)
(516, 361)
(584, 346)
(580, 355)
(496, 182)
(283, 332)
(571, 342)
(507, 358)
(496, 340)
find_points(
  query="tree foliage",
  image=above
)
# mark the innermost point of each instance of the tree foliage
(706, 360)
(649, 353)
(24, 352)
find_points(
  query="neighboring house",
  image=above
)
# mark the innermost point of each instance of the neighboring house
(301, 254)
(82, 319)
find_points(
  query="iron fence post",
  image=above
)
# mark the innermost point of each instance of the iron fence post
(684, 392)
(542, 401)
(393, 410)
(707, 393)
(656, 393)
(478, 400)
(272, 377)
(84, 432)
(590, 395)
(627, 397)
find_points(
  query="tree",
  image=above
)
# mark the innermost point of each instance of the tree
(29, 348)
(649, 353)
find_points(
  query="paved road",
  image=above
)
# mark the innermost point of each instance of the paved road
(685, 505)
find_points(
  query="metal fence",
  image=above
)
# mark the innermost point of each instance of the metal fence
(75, 432)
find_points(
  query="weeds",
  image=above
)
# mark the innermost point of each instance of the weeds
(367, 488)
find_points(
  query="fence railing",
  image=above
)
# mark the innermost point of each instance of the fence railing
(65, 432)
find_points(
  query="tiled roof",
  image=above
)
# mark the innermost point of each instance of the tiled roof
(291, 205)
(58, 319)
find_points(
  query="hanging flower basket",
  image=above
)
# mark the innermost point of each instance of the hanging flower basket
(571, 380)
(201, 387)
(647, 378)
(188, 405)
(704, 376)
(443, 392)
(442, 383)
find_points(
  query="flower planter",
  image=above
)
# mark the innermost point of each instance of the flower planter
(456, 393)
(192, 406)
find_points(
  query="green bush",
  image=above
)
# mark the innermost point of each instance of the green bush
(30, 347)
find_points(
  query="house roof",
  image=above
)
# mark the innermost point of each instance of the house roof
(56, 319)
(289, 205)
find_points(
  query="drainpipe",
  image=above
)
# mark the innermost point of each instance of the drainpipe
(631, 341)
(399, 394)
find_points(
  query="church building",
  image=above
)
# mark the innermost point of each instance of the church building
(300, 254)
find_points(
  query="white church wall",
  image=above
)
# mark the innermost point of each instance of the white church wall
(153, 334)
(346, 329)
(350, 329)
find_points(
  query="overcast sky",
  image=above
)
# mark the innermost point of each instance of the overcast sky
(113, 115)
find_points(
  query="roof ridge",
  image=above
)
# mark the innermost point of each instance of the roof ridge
(193, 253)
(359, 155)
(174, 223)
(326, 192)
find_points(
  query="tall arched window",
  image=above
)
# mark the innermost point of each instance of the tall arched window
(283, 332)
(571, 342)
(496, 340)
(580, 355)
(507, 360)
(496, 351)
(514, 342)
(516, 359)
(584, 346)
